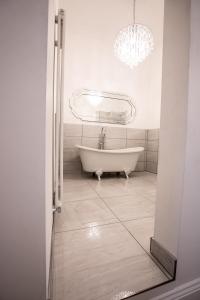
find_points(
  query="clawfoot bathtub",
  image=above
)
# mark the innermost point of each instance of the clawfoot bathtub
(99, 161)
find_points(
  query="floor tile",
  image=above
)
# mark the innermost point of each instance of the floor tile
(146, 186)
(101, 265)
(130, 207)
(105, 242)
(109, 187)
(95, 256)
(142, 230)
(71, 184)
(81, 192)
(146, 176)
(81, 214)
(146, 190)
(132, 182)
(108, 282)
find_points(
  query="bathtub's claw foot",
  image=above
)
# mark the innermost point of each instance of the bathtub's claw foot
(99, 173)
(127, 174)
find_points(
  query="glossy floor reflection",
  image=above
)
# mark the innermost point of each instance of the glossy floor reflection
(101, 245)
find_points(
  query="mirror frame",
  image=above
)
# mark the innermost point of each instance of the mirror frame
(107, 95)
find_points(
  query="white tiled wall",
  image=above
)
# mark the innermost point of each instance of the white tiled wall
(90, 142)
(90, 130)
(72, 130)
(136, 134)
(116, 137)
(115, 143)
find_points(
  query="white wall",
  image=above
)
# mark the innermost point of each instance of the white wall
(23, 26)
(189, 245)
(173, 122)
(91, 29)
(182, 194)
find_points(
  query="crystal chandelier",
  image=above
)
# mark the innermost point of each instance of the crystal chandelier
(133, 43)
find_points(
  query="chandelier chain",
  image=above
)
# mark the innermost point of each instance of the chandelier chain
(134, 12)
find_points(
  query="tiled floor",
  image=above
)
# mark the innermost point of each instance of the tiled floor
(102, 238)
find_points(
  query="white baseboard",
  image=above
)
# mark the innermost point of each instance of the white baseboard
(181, 291)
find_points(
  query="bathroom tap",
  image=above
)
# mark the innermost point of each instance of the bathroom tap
(102, 138)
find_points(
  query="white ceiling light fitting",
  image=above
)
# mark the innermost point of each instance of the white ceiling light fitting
(133, 43)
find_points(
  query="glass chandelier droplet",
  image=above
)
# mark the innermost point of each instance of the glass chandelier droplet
(133, 44)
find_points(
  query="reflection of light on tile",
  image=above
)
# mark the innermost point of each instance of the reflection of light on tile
(93, 231)
(123, 295)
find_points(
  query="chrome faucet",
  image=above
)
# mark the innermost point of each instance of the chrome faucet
(102, 139)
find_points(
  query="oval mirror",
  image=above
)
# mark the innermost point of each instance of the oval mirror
(104, 107)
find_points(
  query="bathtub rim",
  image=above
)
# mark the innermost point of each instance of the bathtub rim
(111, 151)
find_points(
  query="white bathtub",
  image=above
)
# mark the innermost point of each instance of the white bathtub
(99, 161)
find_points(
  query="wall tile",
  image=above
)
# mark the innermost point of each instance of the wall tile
(152, 167)
(115, 143)
(92, 130)
(152, 156)
(142, 157)
(71, 142)
(90, 142)
(72, 130)
(71, 155)
(153, 134)
(136, 143)
(115, 132)
(136, 134)
(153, 145)
(140, 167)
(72, 167)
